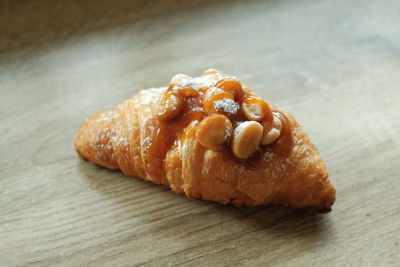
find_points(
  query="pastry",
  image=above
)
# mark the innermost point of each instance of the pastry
(210, 137)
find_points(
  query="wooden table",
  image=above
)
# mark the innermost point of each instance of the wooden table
(334, 64)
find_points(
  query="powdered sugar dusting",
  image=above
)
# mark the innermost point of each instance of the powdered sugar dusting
(269, 155)
(226, 105)
(184, 147)
(228, 133)
(147, 142)
(151, 95)
(182, 80)
(201, 109)
(214, 90)
(108, 116)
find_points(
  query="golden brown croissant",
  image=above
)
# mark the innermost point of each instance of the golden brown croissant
(210, 137)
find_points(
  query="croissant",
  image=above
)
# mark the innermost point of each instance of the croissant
(213, 138)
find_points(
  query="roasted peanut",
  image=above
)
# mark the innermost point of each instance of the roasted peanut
(232, 85)
(256, 109)
(212, 95)
(187, 92)
(246, 139)
(213, 76)
(271, 132)
(168, 106)
(183, 86)
(285, 141)
(179, 79)
(212, 71)
(214, 131)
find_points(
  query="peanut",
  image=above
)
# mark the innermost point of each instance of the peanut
(188, 92)
(246, 139)
(213, 75)
(256, 109)
(214, 132)
(168, 106)
(272, 133)
(232, 85)
(179, 79)
(212, 71)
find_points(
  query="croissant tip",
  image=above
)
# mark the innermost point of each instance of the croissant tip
(326, 209)
(326, 205)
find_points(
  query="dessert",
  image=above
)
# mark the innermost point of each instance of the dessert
(213, 138)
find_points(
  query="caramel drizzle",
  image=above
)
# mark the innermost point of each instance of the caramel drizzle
(170, 130)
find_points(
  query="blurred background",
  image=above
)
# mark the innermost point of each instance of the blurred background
(335, 65)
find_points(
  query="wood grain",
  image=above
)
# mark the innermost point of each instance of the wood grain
(334, 64)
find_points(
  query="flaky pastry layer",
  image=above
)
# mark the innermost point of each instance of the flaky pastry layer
(121, 138)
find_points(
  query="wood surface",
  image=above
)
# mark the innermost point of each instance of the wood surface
(334, 64)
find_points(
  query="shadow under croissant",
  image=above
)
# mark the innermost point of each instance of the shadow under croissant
(177, 215)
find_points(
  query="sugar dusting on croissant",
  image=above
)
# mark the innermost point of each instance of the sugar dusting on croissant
(210, 137)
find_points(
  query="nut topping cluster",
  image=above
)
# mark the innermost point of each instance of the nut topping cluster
(229, 115)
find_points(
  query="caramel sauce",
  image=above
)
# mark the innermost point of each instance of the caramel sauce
(168, 131)
(210, 99)
(196, 106)
(161, 141)
(187, 92)
(285, 141)
(267, 125)
(233, 86)
(193, 110)
(265, 109)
